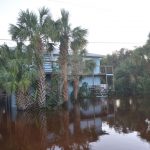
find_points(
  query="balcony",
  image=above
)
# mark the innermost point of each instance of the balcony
(106, 69)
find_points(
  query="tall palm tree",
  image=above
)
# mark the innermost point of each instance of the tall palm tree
(38, 30)
(77, 45)
(63, 36)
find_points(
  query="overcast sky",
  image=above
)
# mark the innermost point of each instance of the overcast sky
(111, 24)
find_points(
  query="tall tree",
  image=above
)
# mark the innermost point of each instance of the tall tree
(77, 45)
(74, 39)
(38, 30)
(63, 34)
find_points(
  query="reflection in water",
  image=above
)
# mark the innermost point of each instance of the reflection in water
(90, 124)
(117, 103)
(148, 125)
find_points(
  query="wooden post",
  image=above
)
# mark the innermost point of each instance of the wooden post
(106, 79)
(113, 78)
(93, 79)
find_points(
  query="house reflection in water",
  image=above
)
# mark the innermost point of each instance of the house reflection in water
(79, 126)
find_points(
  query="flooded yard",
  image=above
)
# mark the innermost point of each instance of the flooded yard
(116, 124)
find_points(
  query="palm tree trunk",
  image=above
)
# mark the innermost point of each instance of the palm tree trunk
(64, 69)
(22, 100)
(77, 119)
(75, 73)
(43, 129)
(76, 84)
(65, 127)
(65, 83)
(41, 88)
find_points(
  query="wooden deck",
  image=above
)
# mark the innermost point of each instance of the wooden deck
(99, 91)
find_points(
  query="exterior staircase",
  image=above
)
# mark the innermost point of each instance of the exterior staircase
(49, 64)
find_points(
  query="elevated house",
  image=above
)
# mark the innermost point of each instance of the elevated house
(100, 80)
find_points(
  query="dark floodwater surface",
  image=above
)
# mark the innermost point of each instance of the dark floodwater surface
(103, 124)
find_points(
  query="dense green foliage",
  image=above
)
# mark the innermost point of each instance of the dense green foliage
(16, 72)
(53, 99)
(89, 66)
(131, 70)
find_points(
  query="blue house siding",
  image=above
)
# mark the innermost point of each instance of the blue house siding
(13, 101)
(90, 80)
(97, 67)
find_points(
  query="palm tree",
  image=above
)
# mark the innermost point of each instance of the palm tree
(38, 30)
(63, 36)
(66, 37)
(16, 75)
(77, 45)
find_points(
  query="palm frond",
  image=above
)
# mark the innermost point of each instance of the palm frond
(78, 39)
(28, 21)
(43, 12)
(65, 22)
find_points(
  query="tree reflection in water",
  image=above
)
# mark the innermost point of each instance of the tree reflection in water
(130, 116)
(74, 128)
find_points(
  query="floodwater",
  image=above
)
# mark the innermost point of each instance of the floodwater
(99, 124)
